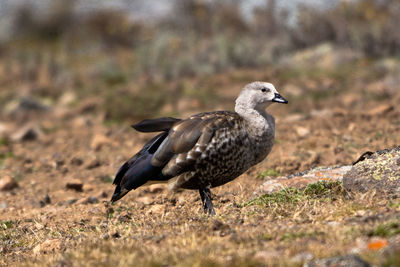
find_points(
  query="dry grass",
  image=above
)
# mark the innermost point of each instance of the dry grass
(320, 220)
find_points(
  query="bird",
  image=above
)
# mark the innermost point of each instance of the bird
(205, 150)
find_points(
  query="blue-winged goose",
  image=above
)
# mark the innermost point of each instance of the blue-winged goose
(205, 150)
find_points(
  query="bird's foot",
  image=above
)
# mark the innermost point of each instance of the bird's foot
(208, 207)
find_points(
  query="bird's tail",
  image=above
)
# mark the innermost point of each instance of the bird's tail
(136, 174)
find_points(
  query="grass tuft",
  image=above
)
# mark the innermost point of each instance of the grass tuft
(386, 230)
(321, 189)
(269, 172)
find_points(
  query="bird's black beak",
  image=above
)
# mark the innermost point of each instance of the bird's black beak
(280, 99)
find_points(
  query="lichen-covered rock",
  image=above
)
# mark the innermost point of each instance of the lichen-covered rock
(379, 171)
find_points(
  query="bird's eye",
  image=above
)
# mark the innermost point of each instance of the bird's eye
(264, 89)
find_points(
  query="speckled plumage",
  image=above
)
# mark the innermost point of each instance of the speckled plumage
(205, 150)
(229, 152)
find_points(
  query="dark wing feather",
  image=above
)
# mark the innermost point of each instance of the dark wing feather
(155, 125)
(149, 147)
(188, 139)
(138, 170)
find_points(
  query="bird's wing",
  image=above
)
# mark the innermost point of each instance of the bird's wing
(188, 139)
(148, 148)
(155, 125)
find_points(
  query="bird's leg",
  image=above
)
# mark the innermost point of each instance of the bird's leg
(205, 195)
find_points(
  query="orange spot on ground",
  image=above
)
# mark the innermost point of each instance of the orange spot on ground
(377, 245)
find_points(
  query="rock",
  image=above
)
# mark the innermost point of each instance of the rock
(88, 200)
(99, 141)
(74, 184)
(303, 257)
(380, 110)
(102, 194)
(124, 216)
(45, 201)
(28, 132)
(302, 131)
(48, 246)
(379, 171)
(301, 180)
(24, 106)
(115, 235)
(7, 183)
(341, 261)
(76, 161)
(93, 164)
(88, 105)
(67, 98)
(88, 187)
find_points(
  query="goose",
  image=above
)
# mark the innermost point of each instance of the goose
(205, 150)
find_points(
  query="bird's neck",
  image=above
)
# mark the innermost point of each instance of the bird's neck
(259, 121)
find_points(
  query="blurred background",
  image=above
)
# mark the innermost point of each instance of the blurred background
(135, 59)
(74, 75)
(87, 67)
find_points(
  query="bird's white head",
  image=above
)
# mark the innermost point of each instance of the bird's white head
(258, 96)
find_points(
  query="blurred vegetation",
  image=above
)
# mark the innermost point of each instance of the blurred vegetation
(136, 67)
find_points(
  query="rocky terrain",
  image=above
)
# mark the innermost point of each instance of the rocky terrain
(59, 152)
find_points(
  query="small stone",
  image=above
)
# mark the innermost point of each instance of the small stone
(303, 257)
(24, 106)
(74, 184)
(106, 236)
(99, 141)
(102, 194)
(76, 161)
(7, 183)
(67, 98)
(380, 110)
(88, 200)
(88, 187)
(3, 205)
(45, 201)
(29, 132)
(93, 164)
(71, 201)
(48, 246)
(302, 131)
(124, 216)
(115, 235)
(93, 200)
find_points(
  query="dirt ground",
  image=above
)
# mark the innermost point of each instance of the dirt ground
(329, 121)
